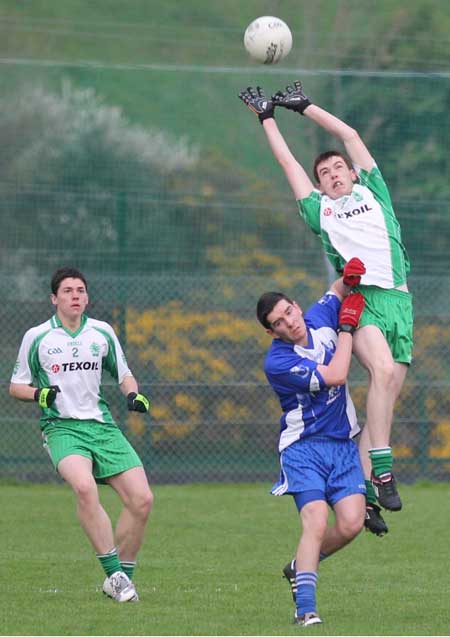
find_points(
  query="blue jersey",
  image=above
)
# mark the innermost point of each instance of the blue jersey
(310, 407)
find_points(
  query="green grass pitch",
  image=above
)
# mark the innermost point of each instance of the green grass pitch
(211, 565)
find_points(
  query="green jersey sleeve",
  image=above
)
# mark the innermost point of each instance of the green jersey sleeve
(309, 210)
(114, 362)
(374, 181)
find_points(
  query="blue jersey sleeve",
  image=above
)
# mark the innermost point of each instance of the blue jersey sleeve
(288, 372)
(324, 313)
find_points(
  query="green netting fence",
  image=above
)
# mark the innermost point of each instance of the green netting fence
(193, 342)
(179, 218)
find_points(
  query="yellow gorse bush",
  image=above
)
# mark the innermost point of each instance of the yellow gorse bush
(186, 347)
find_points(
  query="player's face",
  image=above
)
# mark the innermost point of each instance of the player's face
(336, 179)
(71, 299)
(286, 320)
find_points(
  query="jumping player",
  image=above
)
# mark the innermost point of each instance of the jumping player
(351, 211)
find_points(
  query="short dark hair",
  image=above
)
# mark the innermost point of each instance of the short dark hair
(66, 273)
(265, 305)
(326, 155)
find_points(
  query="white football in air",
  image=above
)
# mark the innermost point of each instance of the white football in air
(268, 39)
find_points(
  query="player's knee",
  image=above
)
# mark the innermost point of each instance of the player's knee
(383, 372)
(351, 526)
(86, 491)
(357, 526)
(147, 504)
(142, 503)
(314, 526)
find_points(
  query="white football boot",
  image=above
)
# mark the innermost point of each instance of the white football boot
(120, 587)
(308, 619)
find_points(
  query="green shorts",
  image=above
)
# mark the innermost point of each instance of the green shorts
(105, 445)
(392, 312)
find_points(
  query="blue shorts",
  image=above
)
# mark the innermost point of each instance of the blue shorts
(320, 469)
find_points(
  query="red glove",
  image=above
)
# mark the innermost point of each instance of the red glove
(351, 309)
(352, 272)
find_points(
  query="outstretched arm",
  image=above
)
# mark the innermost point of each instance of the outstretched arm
(263, 107)
(296, 175)
(355, 147)
(294, 99)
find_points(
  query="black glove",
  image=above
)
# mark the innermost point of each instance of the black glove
(46, 396)
(138, 402)
(257, 102)
(293, 98)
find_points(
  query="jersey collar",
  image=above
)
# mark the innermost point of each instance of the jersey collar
(55, 321)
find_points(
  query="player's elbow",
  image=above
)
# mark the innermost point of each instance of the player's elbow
(333, 374)
(13, 390)
(351, 135)
(287, 162)
(334, 378)
(338, 381)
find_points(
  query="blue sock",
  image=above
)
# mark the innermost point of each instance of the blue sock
(306, 592)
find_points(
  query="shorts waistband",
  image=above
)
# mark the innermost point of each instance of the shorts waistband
(388, 291)
(322, 439)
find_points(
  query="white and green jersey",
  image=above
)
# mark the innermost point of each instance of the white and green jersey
(362, 224)
(51, 355)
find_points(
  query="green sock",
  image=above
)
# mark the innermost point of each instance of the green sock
(382, 460)
(128, 568)
(110, 562)
(371, 498)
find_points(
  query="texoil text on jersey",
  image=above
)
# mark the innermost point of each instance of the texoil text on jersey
(353, 213)
(79, 365)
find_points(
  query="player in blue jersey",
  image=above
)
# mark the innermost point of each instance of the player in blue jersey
(350, 209)
(60, 365)
(307, 366)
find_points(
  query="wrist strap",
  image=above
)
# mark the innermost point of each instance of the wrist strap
(350, 329)
(304, 105)
(263, 116)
